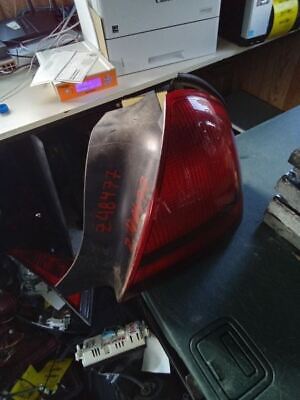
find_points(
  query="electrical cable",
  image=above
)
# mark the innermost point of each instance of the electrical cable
(63, 31)
(72, 12)
(63, 23)
(35, 388)
(132, 379)
(4, 396)
(55, 360)
(58, 35)
(9, 395)
(115, 376)
(19, 56)
(64, 36)
(16, 89)
(27, 381)
(22, 45)
(194, 82)
(18, 61)
(52, 35)
(49, 374)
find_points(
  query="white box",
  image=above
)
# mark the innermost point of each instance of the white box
(143, 34)
(163, 46)
(127, 17)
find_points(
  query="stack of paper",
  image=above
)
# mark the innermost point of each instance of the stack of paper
(64, 66)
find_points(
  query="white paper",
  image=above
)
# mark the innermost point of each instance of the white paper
(77, 68)
(49, 70)
(155, 359)
(13, 25)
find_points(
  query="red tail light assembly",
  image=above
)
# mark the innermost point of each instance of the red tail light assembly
(160, 188)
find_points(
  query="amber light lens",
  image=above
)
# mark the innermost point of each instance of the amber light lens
(198, 197)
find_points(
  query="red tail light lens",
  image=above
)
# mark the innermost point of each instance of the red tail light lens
(197, 198)
(153, 196)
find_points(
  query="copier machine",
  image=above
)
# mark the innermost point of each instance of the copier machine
(142, 34)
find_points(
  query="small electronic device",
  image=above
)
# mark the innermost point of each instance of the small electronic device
(7, 63)
(245, 21)
(102, 74)
(101, 77)
(112, 343)
(137, 35)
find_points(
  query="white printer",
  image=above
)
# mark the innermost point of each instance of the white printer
(142, 34)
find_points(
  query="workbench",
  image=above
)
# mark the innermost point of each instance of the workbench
(233, 318)
(247, 292)
(38, 107)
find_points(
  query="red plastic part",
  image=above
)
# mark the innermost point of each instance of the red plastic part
(198, 197)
